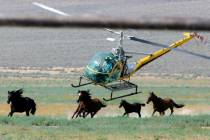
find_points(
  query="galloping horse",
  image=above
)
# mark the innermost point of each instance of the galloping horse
(161, 105)
(20, 104)
(87, 105)
(129, 108)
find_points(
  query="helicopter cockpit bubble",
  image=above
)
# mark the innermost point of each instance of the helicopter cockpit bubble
(103, 68)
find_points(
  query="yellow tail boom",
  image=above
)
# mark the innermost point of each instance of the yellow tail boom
(149, 58)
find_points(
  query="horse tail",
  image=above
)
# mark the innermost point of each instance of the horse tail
(178, 105)
(103, 105)
(33, 107)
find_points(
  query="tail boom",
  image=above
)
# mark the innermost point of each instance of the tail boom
(151, 57)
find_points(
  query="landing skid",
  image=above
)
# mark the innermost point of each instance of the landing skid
(80, 83)
(113, 98)
(124, 85)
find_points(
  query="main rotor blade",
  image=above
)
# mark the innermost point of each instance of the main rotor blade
(138, 53)
(195, 54)
(154, 44)
(50, 9)
(147, 42)
(112, 31)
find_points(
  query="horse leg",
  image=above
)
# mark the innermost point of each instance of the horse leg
(12, 111)
(124, 113)
(94, 113)
(77, 110)
(27, 113)
(85, 115)
(162, 113)
(172, 110)
(82, 114)
(10, 114)
(78, 113)
(139, 114)
(154, 112)
(74, 113)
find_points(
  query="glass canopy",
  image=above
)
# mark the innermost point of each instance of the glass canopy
(103, 68)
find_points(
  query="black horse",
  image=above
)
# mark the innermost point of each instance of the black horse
(129, 108)
(19, 103)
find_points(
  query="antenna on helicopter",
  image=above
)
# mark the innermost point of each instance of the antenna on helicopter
(119, 50)
(121, 39)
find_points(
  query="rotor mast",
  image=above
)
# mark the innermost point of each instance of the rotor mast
(121, 39)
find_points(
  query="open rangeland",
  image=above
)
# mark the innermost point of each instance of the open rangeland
(56, 102)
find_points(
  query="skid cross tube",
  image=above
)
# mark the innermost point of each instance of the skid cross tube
(121, 86)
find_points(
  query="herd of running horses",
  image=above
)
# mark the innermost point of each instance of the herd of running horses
(87, 105)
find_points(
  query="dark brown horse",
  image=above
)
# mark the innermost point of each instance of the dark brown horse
(129, 108)
(161, 105)
(87, 105)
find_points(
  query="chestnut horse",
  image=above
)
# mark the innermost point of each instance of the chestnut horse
(161, 105)
(87, 105)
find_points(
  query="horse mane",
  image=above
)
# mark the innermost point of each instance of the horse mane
(124, 101)
(86, 94)
(153, 94)
(158, 98)
(18, 92)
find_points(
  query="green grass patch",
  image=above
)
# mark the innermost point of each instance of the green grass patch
(175, 127)
(58, 90)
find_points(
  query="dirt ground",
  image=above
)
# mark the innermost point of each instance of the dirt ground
(111, 110)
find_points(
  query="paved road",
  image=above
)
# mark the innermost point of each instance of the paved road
(35, 47)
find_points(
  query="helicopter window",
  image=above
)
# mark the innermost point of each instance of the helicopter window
(103, 68)
(130, 67)
(107, 65)
(102, 62)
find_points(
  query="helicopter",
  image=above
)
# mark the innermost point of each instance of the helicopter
(111, 69)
